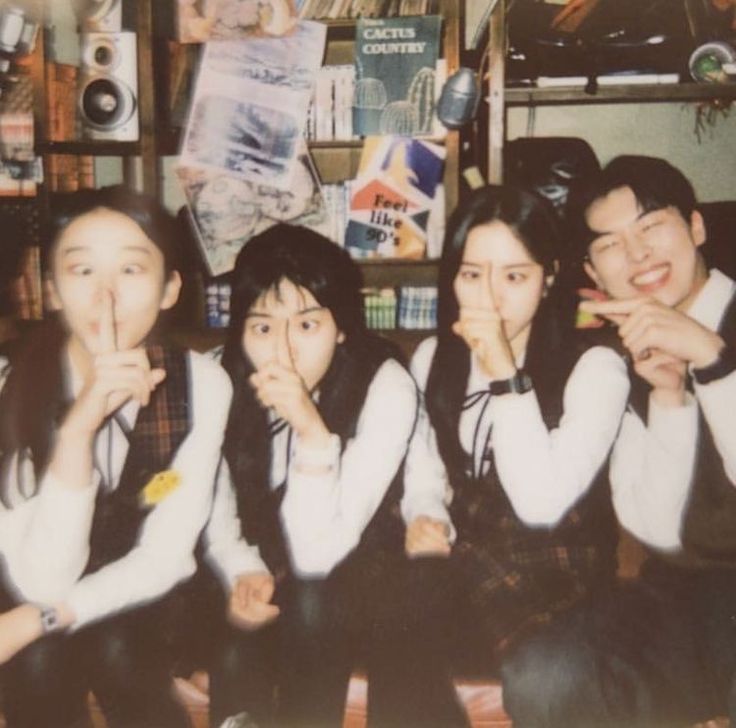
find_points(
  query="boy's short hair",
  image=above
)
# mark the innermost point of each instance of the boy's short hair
(656, 184)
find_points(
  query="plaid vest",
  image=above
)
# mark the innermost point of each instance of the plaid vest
(159, 430)
(520, 577)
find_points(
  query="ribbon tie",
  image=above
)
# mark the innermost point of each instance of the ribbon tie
(482, 453)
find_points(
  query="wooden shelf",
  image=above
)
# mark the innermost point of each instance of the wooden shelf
(80, 146)
(199, 338)
(620, 94)
(391, 272)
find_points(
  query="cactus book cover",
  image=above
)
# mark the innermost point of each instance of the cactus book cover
(395, 75)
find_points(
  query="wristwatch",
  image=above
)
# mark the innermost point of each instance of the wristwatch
(721, 367)
(518, 384)
(50, 622)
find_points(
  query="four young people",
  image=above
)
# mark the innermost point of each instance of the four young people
(120, 451)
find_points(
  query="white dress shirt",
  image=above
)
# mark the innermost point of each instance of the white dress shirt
(44, 536)
(653, 462)
(163, 554)
(544, 472)
(331, 496)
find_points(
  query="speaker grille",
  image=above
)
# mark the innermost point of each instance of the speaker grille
(104, 103)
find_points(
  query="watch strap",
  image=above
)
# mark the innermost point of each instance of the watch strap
(520, 383)
(721, 367)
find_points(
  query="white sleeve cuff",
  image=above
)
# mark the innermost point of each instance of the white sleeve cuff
(674, 426)
(307, 458)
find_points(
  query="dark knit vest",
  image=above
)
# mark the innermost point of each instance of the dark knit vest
(709, 524)
(159, 430)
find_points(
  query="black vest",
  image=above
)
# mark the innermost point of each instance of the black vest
(709, 523)
(580, 547)
(159, 430)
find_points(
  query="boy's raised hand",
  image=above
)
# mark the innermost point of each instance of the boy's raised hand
(250, 601)
(646, 325)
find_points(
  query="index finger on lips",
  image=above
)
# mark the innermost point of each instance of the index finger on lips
(107, 335)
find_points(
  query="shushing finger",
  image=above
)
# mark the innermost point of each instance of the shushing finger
(107, 335)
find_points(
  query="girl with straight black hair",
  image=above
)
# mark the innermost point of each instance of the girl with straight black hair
(509, 522)
(321, 418)
(97, 405)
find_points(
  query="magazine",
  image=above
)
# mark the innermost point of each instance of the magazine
(395, 63)
(225, 211)
(199, 21)
(393, 196)
(250, 105)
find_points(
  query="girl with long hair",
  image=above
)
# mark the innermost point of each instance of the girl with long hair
(97, 403)
(321, 418)
(509, 522)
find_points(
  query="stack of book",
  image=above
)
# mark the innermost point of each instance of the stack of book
(337, 9)
(61, 98)
(380, 308)
(65, 172)
(70, 172)
(412, 307)
(20, 169)
(26, 288)
(217, 305)
(333, 219)
(417, 307)
(330, 115)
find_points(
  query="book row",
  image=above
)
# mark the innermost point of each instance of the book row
(339, 9)
(406, 307)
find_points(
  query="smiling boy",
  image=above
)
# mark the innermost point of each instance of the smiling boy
(674, 465)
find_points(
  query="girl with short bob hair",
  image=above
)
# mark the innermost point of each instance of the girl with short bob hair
(321, 418)
(98, 407)
(509, 523)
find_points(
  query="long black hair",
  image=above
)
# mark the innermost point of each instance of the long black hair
(310, 261)
(533, 221)
(33, 400)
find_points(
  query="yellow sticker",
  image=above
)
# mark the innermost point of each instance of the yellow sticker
(159, 487)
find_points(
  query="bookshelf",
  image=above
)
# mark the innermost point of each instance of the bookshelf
(500, 98)
(336, 161)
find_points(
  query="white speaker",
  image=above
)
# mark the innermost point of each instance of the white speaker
(108, 92)
(100, 15)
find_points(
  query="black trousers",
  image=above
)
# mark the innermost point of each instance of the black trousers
(294, 671)
(658, 652)
(124, 660)
(425, 633)
(624, 658)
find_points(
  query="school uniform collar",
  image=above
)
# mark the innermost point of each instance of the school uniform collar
(712, 300)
